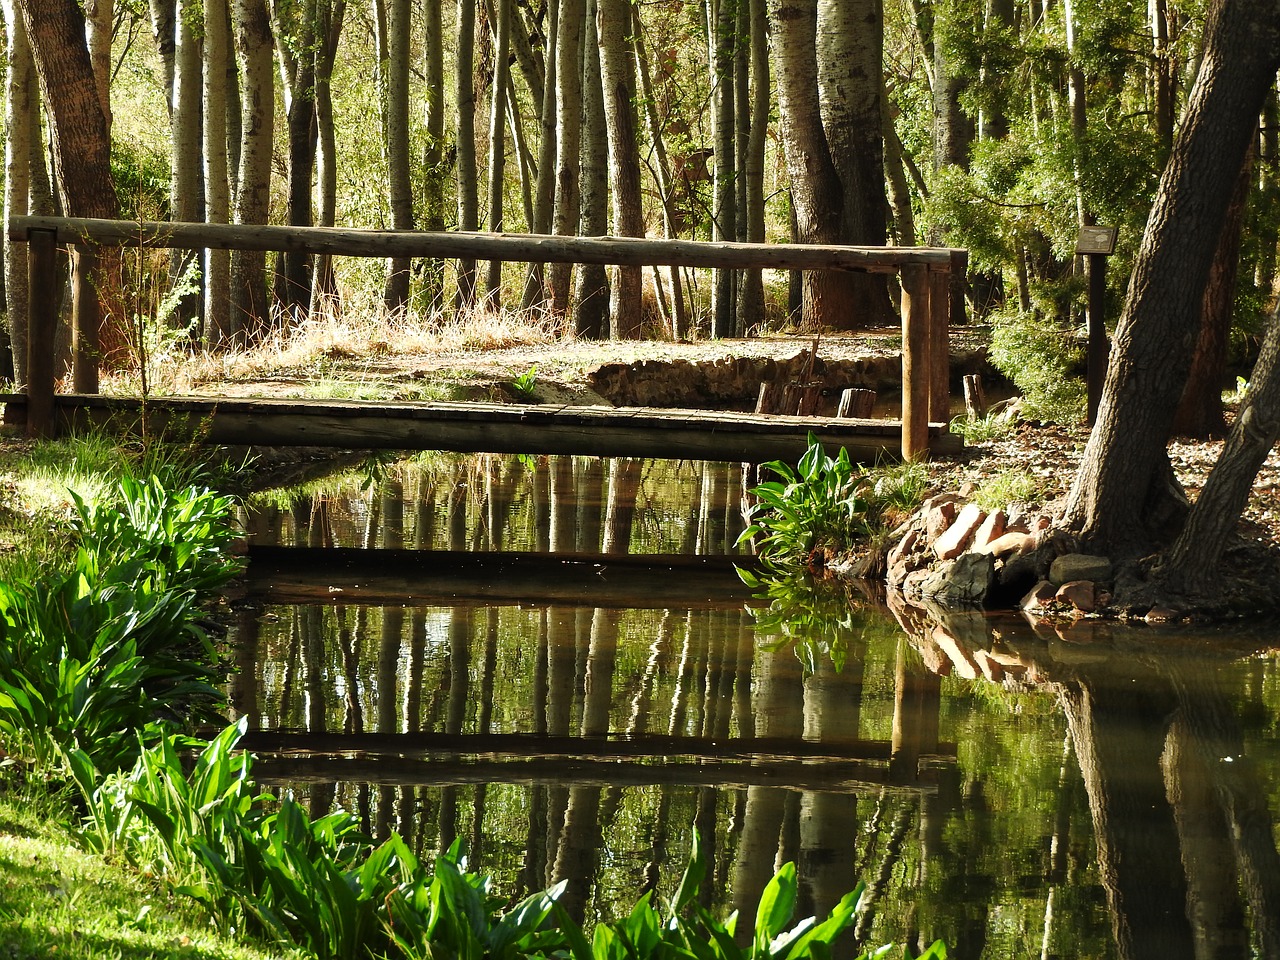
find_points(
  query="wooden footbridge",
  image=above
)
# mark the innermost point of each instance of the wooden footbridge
(927, 305)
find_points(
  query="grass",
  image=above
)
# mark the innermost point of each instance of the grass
(1015, 485)
(56, 900)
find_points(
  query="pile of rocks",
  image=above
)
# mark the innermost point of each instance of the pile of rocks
(954, 552)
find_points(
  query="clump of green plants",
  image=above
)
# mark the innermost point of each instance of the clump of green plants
(526, 384)
(825, 507)
(110, 644)
(1016, 485)
(1042, 360)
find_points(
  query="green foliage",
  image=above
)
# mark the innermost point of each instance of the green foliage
(526, 383)
(1040, 358)
(981, 429)
(90, 654)
(826, 505)
(1010, 486)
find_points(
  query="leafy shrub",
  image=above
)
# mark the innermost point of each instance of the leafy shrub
(1041, 359)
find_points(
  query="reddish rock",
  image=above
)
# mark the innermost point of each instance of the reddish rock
(991, 668)
(1039, 595)
(1080, 594)
(992, 528)
(1013, 542)
(952, 543)
(938, 517)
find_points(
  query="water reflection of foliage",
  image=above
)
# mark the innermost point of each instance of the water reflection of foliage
(818, 617)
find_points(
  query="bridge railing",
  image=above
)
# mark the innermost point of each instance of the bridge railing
(929, 297)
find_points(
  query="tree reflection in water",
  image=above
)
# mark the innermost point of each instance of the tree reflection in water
(1004, 844)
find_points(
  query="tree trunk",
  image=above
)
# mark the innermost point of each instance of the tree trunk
(568, 143)
(435, 172)
(77, 123)
(163, 13)
(250, 312)
(186, 182)
(297, 33)
(751, 308)
(20, 108)
(395, 72)
(724, 20)
(624, 159)
(1125, 461)
(99, 18)
(468, 175)
(592, 296)
(1164, 78)
(851, 57)
(952, 129)
(498, 142)
(1200, 409)
(545, 188)
(217, 263)
(816, 196)
(330, 14)
(662, 168)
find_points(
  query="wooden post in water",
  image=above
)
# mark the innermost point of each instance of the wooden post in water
(86, 319)
(42, 321)
(940, 300)
(916, 380)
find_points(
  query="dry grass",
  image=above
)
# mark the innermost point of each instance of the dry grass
(349, 338)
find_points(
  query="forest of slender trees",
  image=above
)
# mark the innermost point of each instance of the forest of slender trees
(1001, 126)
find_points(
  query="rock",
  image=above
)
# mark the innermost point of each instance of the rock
(938, 516)
(962, 664)
(967, 580)
(968, 489)
(1039, 595)
(897, 560)
(1079, 566)
(991, 668)
(1078, 593)
(952, 543)
(990, 529)
(1159, 614)
(1014, 542)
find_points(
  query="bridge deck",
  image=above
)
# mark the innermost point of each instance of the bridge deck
(486, 427)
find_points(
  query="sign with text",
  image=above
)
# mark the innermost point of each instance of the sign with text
(1096, 240)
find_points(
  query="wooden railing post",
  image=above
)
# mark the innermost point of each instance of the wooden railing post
(42, 321)
(940, 346)
(86, 320)
(916, 379)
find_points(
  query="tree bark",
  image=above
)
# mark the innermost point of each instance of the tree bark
(330, 14)
(217, 263)
(436, 172)
(851, 57)
(618, 79)
(163, 13)
(396, 78)
(468, 174)
(99, 18)
(250, 312)
(816, 195)
(21, 105)
(498, 141)
(724, 219)
(545, 187)
(568, 143)
(751, 309)
(591, 314)
(77, 123)
(1117, 493)
(1200, 412)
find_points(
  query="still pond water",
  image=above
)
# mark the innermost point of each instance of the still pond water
(1016, 793)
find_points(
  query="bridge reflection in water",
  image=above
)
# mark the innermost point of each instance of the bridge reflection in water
(1014, 793)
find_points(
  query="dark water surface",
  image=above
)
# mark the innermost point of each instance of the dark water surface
(1104, 793)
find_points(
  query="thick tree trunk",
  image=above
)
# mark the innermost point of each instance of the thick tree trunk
(1125, 460)
(850, 57)
(77, 124)
(1200, 409)
(591, 314)
(99, 18)
(250, 312)
(618, 79)
(217, 263)
(816, 196)
(163, 13)
(330, 14)
(20, 108)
